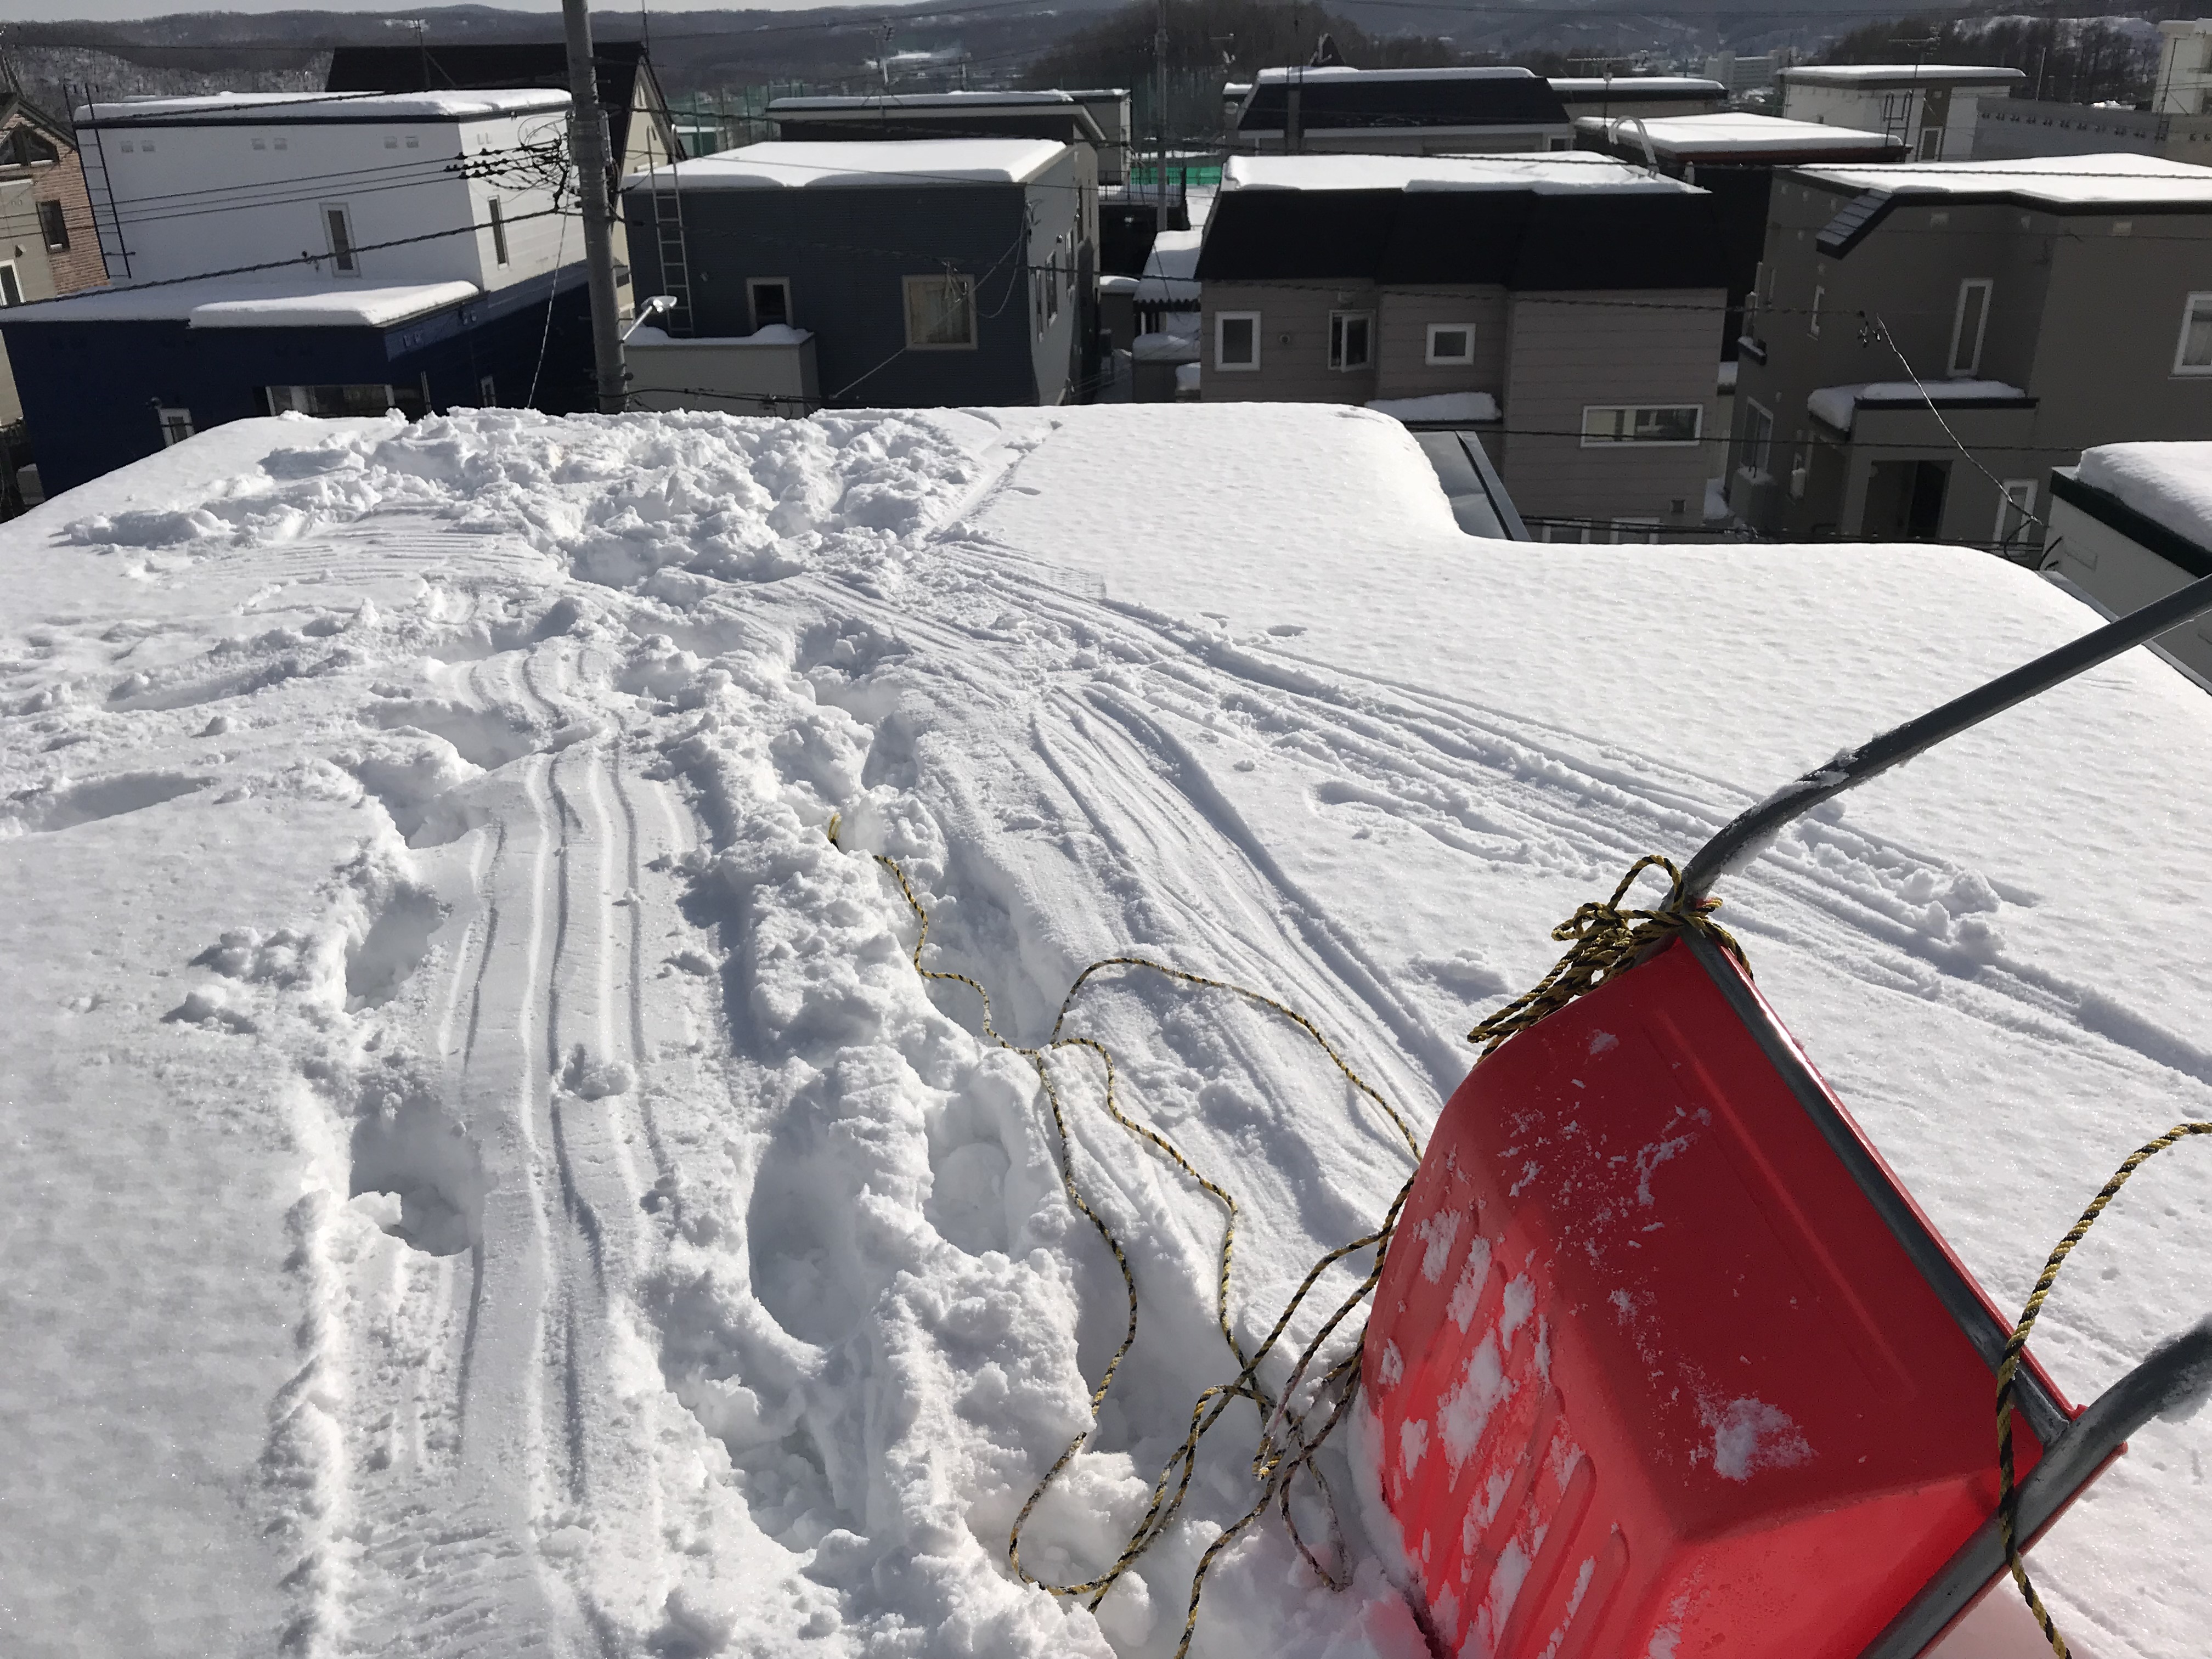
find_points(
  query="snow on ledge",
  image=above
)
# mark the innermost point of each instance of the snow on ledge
(286, 108)
(1737, 132)
(1836, 405)
(776, 334)
(1443, 407)
(2169, 484)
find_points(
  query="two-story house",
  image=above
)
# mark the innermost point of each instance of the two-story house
(909, 273)
(326, 254)
(1567, 307)
(1931, 106)
(1928, 341)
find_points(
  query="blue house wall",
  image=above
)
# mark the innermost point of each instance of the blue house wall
(90, 387)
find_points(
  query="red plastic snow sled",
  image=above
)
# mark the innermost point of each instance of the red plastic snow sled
(1664, 1360)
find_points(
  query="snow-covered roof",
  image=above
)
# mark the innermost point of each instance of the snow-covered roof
(1439, 406)
(1637, 86)
(1885, 76)
(922, 100)
(1731, 132)
(1545, 173)
(1223, 682)
(2169, 484)
(1171, 267)
(1339, 74)
(772, 335)
(2053, 180)
(1837, 404)
(289, 108)
(799, 164)
(243, 302)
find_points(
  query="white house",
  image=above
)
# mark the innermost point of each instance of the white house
(1932, 106)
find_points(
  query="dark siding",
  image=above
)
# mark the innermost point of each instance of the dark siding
(846, 252)
(89, 389)
(1324, 102)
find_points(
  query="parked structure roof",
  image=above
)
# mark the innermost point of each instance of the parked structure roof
(1489, 96)
(1882, 77)
(1731, 135)
(305, 108)
(238, 302)
(787, 165)
(1566, 220)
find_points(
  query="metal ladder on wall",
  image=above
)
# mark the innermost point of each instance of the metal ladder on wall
(674, 253)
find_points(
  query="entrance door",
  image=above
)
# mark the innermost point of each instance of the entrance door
(1905, 501)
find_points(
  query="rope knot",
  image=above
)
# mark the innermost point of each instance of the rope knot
(1603, 940)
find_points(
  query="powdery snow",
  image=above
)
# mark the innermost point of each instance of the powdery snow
(486, 1171)
(2170, 484)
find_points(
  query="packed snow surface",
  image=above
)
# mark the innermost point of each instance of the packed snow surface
(2170, 484)
(485, 1179)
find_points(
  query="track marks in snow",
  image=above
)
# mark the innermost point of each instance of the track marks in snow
(51, 810)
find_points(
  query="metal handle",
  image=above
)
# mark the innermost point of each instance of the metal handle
(2177, 1375)
(1742, 838)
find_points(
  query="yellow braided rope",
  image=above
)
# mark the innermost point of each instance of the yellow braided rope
(2007, 1371)
(1606, 939)
(1276, 1462)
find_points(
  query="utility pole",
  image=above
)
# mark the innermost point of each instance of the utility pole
(1160, 113)
(587, 142)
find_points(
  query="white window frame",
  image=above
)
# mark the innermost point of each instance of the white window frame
(2203, 299)
(1431, 355)
(1966, 286)
(345, 246)
(1758, 453)
(959, 278)
(498, 232)
(1931, 144)
(1625, 426)
(2016, 502)
(1339, 326)
(11, 285)
(176, 425)
(753, 286)
(1220, 317)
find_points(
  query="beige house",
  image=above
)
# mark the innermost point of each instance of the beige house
(1926, 343)
(1566, 308)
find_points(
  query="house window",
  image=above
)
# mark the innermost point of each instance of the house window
(332, 401)
(1658, 423)
(176, 425)
(1931, 144)
(498, 232)
(1967, 327)
(1052, 286)
(11, 291)
(2192, 353)
(1758, 442)
(940, 313)
(54, 225)
(771, 297)
(1813, 322)
(1351, 338)
(1451, 342)
(338, 225)
(2015, 523)
(1236, 340)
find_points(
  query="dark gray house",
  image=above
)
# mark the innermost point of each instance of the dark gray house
(922, 273)
(1417, 111)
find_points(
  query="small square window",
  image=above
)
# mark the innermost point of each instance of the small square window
(1451, 342)
(2192, 354)
(940, 313)
(391, 140)
(1236, 340)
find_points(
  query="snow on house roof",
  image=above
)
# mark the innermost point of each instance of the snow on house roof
(289, 108)
(922, 101)
(2045, 180)
(1171, 267)
(1837, 404)
(1469, 101)
(1545, 173)
(1580, 89)
(243, 302)
(1339, 74)
(1271, 715)
(789, 165)
(2169, 484)
(1886, 76)
(1730, 132)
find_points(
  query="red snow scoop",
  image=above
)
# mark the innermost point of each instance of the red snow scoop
(1665, 1360)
